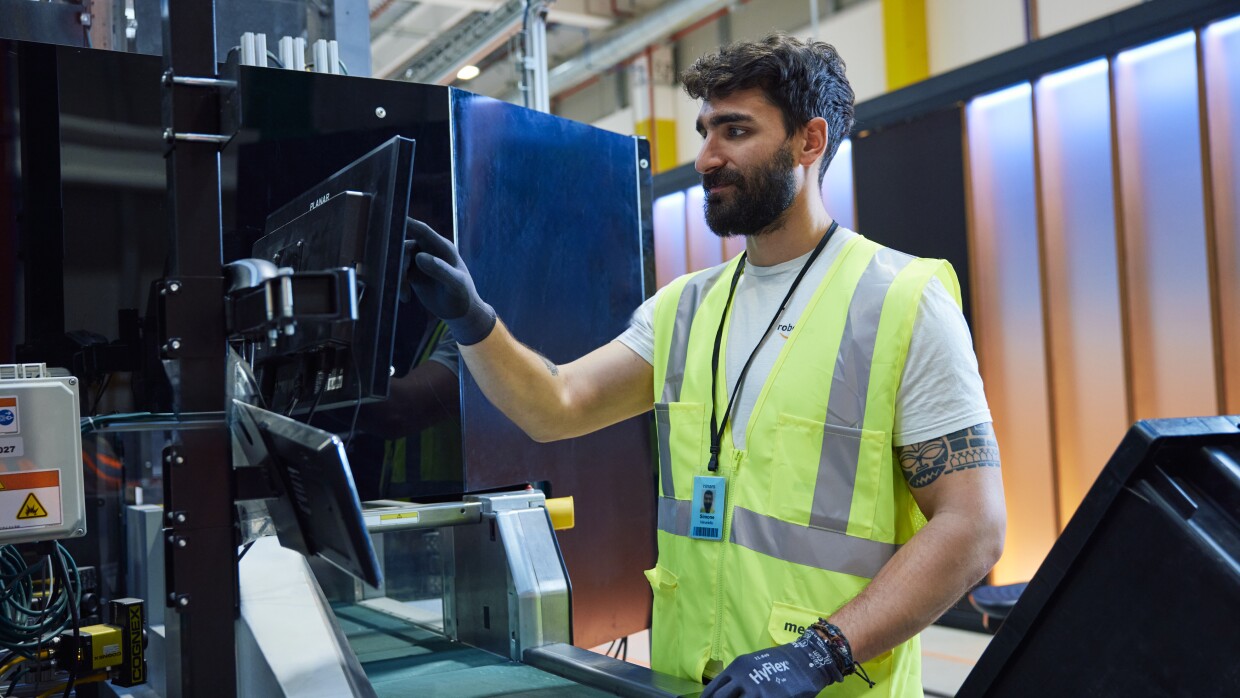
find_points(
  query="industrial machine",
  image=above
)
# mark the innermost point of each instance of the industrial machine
(261, 211)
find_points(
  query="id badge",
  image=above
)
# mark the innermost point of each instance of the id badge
(707, 507)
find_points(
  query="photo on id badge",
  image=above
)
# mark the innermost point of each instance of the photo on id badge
(707, 507)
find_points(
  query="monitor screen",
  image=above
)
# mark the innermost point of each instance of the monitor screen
(317, 511)
(1138, 587)
(355, 218)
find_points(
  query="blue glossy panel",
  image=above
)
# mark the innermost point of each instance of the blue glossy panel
(837, 187)
(703, 247)
(1164, 221)
(1008, 318)
(669, 238)
(547, 220)
(547, 217)
(1221, 48)
(1084, 316)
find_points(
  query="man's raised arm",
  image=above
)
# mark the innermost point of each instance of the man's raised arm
(547, 401)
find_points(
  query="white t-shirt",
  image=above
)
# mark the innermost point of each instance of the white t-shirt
(446, 352)
(941, 390)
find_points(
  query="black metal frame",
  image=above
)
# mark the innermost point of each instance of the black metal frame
(42, 211)
(200, 536)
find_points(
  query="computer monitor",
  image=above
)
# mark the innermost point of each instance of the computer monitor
(1139, 594)
(354, 218)
(317, 511)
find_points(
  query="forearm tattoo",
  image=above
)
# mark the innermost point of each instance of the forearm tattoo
(974, 447)
(555, 370)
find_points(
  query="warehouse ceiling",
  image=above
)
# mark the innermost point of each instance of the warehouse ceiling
(407, 36)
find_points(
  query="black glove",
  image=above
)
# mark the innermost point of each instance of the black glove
(800, 669)
(444, 286)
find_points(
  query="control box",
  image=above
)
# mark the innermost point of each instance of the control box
(41, 495)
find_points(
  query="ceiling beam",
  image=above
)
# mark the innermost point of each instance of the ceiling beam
(629, 40)
(463, 43)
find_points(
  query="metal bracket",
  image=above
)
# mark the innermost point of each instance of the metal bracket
(273, 307)
(229, 100)
(493, 504)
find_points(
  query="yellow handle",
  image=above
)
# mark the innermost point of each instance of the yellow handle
(561, 511)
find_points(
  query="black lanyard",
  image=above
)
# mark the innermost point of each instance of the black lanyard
(716, 429)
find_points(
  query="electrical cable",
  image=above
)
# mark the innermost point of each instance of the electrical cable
(94, 407)
(13, 682)
(357, 408)
(32, 616)
(93, 678)
(74, 600)
(273, 57)
(317, 397)
(49, 597)
(26, 620)
(10, 663)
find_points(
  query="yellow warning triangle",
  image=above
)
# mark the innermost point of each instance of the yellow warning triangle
(32, 508)
(1, 485)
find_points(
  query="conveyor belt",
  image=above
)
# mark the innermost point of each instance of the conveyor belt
(403, 660)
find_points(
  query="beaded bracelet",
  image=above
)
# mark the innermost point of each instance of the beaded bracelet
(841, 649)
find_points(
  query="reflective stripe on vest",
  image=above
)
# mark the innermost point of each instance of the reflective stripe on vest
(691, 296)
(803, 545)
(850, 380)
(663, 426)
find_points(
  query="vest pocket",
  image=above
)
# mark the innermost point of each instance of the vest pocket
(788, 622)
(666, 623)
(816, 471)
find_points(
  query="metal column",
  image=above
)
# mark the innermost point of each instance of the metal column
(534, 64)
(200, 539)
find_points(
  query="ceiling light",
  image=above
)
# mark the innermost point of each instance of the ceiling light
(469, 72)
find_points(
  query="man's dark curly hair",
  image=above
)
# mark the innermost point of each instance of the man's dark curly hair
(805, 79)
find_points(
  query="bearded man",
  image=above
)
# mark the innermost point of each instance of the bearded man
(853, 475)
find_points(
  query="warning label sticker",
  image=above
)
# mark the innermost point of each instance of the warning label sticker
(32, 508)
(30, 499)
(9, 423)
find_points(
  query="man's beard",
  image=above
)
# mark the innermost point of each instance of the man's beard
(759, 198)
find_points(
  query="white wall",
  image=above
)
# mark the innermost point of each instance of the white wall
(620, 121)
(850, 31)
(1055, 16)
(961, 32)
(857, 34)
(687, 139)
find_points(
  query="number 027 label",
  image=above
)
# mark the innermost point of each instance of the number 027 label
(12, 448)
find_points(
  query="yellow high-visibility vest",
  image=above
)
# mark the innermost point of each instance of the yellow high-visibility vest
(816, 503)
